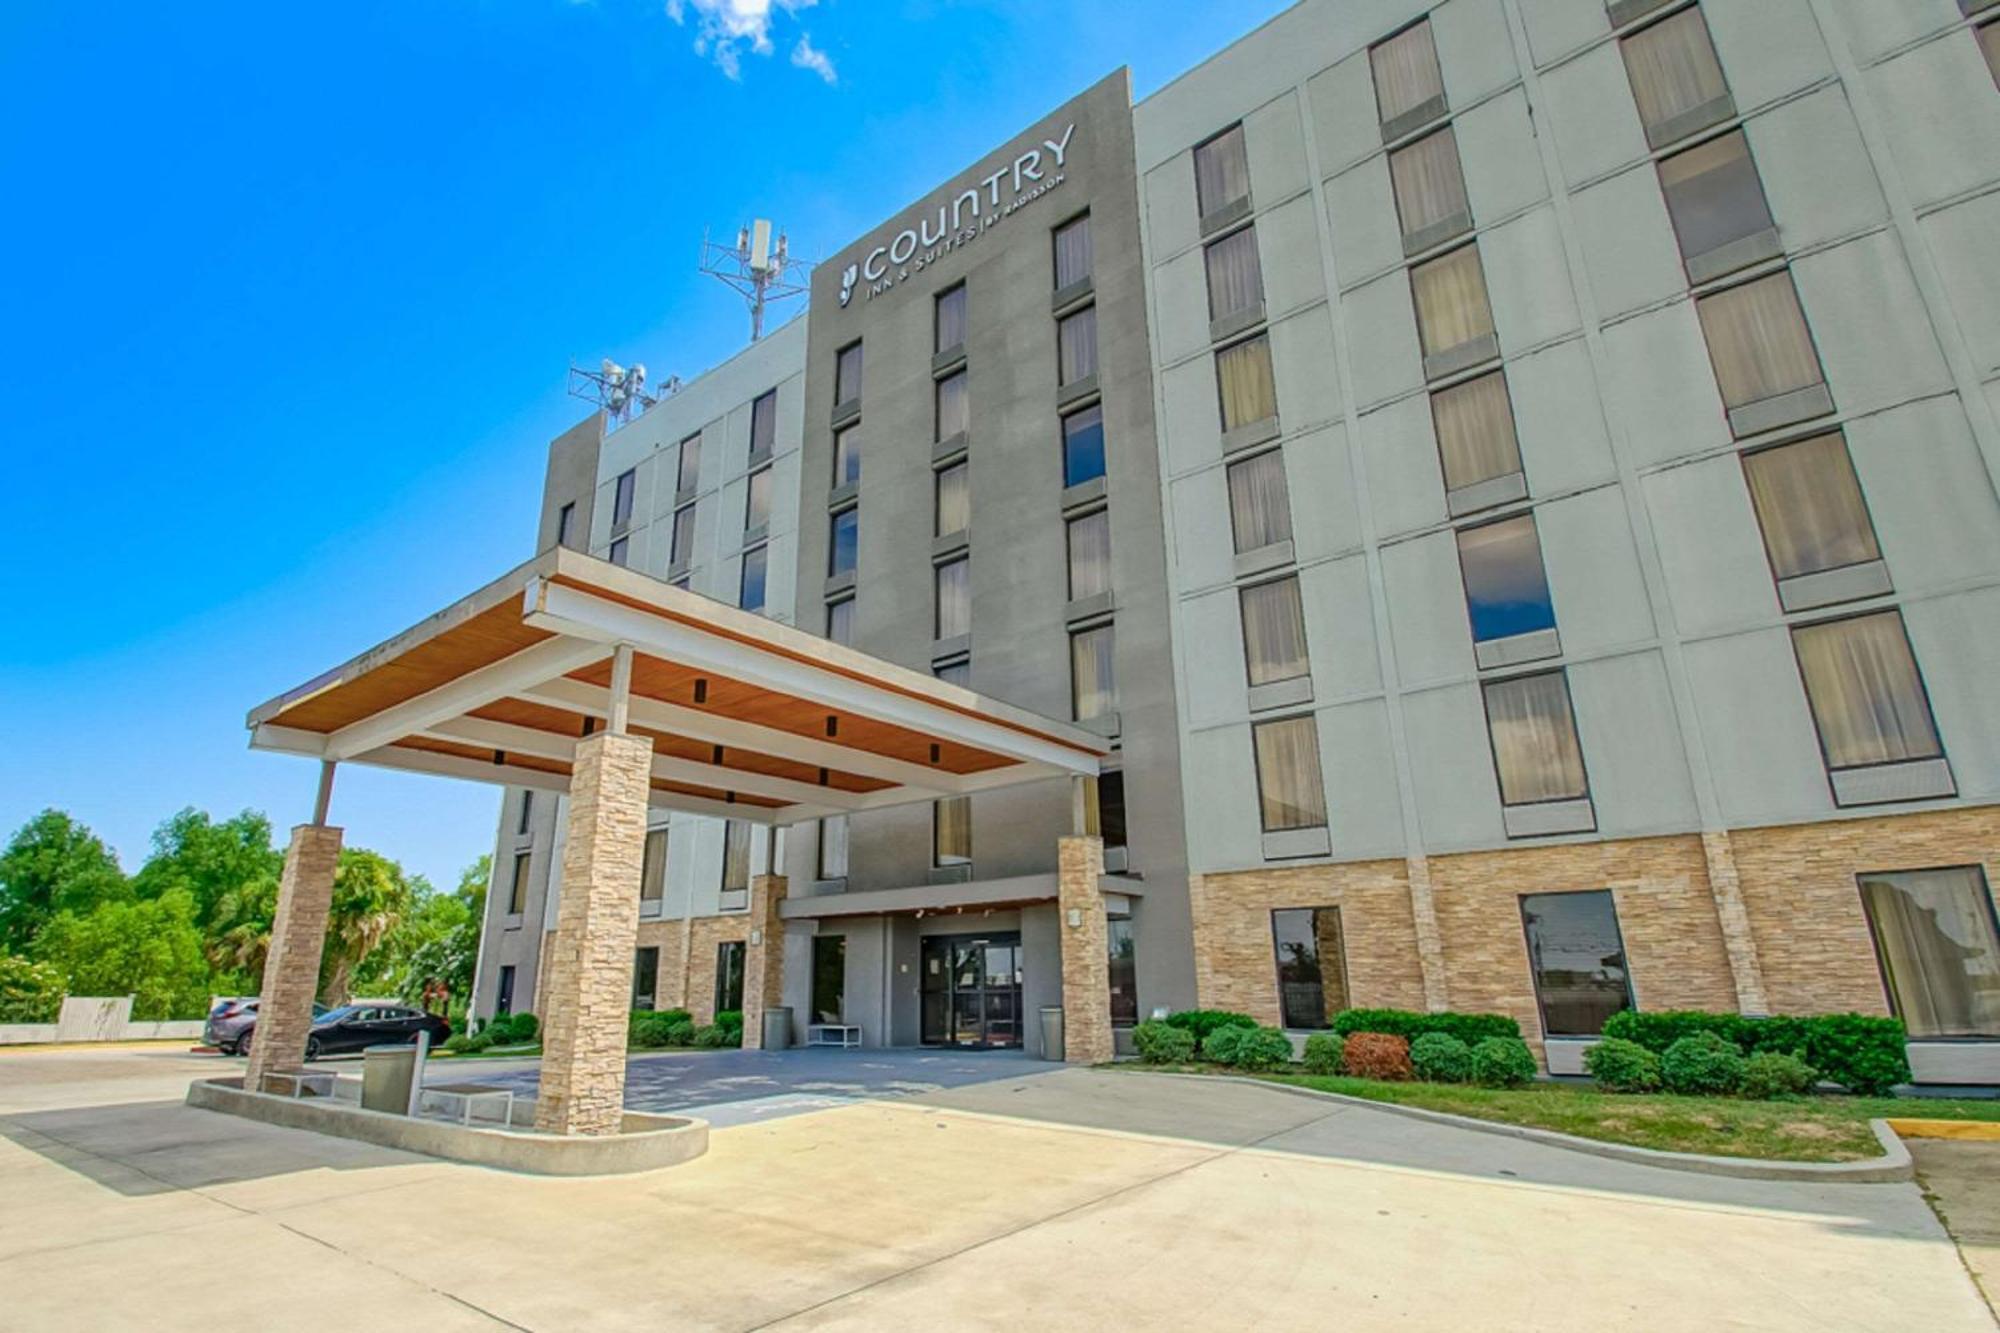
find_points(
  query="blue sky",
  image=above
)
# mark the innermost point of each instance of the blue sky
(291, 290)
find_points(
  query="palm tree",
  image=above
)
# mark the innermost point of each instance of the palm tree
(370, 896)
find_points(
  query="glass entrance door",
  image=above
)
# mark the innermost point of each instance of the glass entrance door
(971, 990)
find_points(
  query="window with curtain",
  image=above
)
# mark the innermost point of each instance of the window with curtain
(735, 854)
(1076, 345)
(1758, 340)
(729, 956)
(1475, 431)
(954, 598)
(1312, 969)
(517, 890)
(756, 562)
(954, 500)
(847, 374)
(1221, 171)
(1260, 508)
(1244, 382)
(683, 536)
(620, 552)
(653, 867)
(1274, 631)
(1866, 696)
(1083, 445)
(1072, 246)
(1289, 793)
(1674, 71)
(622, 492)
(1937, 942)
(1406, 72)
(1450, 293)
(847, 456)
(1090, 554)
(833, 847)
(1235, 276)
(953, 410)
(1714, 195)
(1506, 588)
(688, 475)
(1809, 506)
(1534, 739)
(1577, 958)
(844, 541)
(1093, 688)
(757, 505)
(840, 621)
(951, 831)
(764, 423)
(1430, 188)
(950, 323)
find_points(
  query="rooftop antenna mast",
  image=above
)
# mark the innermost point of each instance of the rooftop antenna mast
(619, 390)
(756, 269)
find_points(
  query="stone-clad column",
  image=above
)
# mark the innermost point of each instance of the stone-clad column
(763, 957)
(291, 966)
(1430, 942)
(589, 989)
(1086, 951)
(1726, 887)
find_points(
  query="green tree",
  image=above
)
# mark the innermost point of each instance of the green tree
(440, 939)
(30, 992)
(371, 895)
(148, 948)
(53, 864)
(211, 860)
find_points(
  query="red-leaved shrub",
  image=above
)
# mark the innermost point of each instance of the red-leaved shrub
(1378, 1055)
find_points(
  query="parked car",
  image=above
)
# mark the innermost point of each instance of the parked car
(355, 1026)
(229, 1023)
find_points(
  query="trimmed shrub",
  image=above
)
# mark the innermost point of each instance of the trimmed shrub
(650, 1029)
(457, 1042)
(1261, 1049)
(1409, 1025)
(1324, 1054)
(1774, 1076)
(1163, 1044)
(730, 1020)
(513, 1029)
(1702, 1063)
(1439, 1057)
(713, 1037)
(1377, 1055)
(1619, 1065)
(1503, 1062)
(1864, 1053)
(1201, 1022)
(681, 1033)
(1219, 1046)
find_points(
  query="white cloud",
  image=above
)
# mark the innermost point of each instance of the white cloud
(807, 56)
(723, 29)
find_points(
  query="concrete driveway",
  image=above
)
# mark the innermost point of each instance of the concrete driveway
(1066, 1200)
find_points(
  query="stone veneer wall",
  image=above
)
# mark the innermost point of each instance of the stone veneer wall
(1086, 951)
(298, 942)
(688, 982)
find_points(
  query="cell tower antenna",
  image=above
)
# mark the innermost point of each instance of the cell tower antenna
(756, 268)
(621, 391)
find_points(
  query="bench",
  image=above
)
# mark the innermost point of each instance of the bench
(302, 1082)
(467, 1094)
(842, 1035)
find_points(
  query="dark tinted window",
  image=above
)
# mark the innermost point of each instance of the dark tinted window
(1578, 960)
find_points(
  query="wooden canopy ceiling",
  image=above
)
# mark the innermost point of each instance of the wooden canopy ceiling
(749, 718)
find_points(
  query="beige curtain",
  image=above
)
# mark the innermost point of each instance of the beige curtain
(951, 319)
(1406, 71)
(1430, 187)
(1866, 696)
(1673, 67)
(1758, 340)
(954, 500)
(735, 854)
(1073, 252)
(847, 374)
(840, 621)
(1092, 682)
(1714, 195)
(764, 423)
(1288, 776)
(683, 534)
(1809, 504)
(1274, 632)
(1221, 171)
(1451, 300)
(833, 847)
(1534, 740)
(1076, 345)
(954, 599)
(1475, 430)
(1260, 509)
(953, 414)
(690, 466)
(951, 831)
(653, 867)
(1940, 954)
(1248, 390)
(757, 507)
(1235, 281)
(1090, 554)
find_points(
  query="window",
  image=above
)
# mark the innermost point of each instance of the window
(1535, 750)
(565, 521)
(1758, 341)
(729, 976)
(764, 424)
(735, 856)
(951, 831)
(1260, 510)
(954, 500)
(1235, 275)
(833, 847)
(1221, 172)
(653, 870)
(1076, 346)
(955, 673)
(847, 456)
(1809, 505)
(1936, 940)
(1244, 384)
(1408, 84)
(1475, 432)
(1274, 632)
(1506, 590)
(527, 811)
(1124, 978)
(1676, 79)
(948, 329)
(645, 977)
(1083, 445)
(1716, 202)
(683, 536)
(757, 508)
(1312, 968)
(1430, 191)
(840, 620)
(1072, 242)
(1093, 686)
(1865, 692)
(517, 891)
(1288, 782)
(1989, 46)
(750, 593)
(1577, 959)
(847, 375)
(622, 492)
(689, 475)
(1453, 318)
(1090, 554)
(953, 412)
(503, 1002)
(829, 973)
(620, 551)
(954, 598)
(1104, 812)
(845, 540)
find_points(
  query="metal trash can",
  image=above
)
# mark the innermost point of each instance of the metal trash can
(777, 1027)
(1052, 1032)
(388, 1077)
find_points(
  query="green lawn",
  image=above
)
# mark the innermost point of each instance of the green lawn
(1816, 1129)
(490, 1053)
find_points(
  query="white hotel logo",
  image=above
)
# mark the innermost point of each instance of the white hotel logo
(971, 213)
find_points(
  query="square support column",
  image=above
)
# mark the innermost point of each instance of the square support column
(1726, 888)
(1430, 942)
(291, 965)
(1086, 951)
(589, 986)
(763, 957)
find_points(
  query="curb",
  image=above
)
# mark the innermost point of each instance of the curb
(1893, 1166)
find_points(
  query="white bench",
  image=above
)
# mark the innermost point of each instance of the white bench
(833, 1034)
(466, 1094)
(302, 1082)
